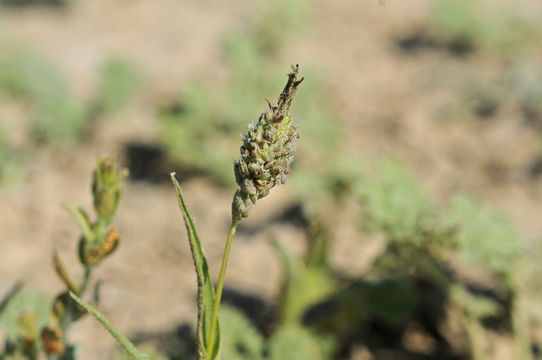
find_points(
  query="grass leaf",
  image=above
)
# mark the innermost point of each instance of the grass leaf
(121, 339)
(82, 220)
(205, 286)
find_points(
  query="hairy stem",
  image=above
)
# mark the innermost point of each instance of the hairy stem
(220, 285)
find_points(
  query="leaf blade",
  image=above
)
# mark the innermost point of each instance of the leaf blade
(206, 291)
(82, 220)
(121, 339)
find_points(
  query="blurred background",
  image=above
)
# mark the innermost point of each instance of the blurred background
(409, 227)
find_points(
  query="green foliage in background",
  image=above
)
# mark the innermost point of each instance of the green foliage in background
(396, 205)
(501, 38)
(202, 130)
(304, 285)
(22, 314)
(422, 238)
(525, 84)
(395, 202)
(477, 306)
(6, 157)
(192, 136)
(485, 237)
(295, 342)
(119, 81)
(482, 24)
(242, 341)
(491, 93)
(56, 113)
(25, 314)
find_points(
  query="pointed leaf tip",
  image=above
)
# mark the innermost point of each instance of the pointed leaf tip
(82, 220)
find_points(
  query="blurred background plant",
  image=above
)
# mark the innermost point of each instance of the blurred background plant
(36, 325)
(8, 162)
(471, 24)
(119, 81)
(56, 112)
(202, 127)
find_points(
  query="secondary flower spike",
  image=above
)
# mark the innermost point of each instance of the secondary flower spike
(267, 151)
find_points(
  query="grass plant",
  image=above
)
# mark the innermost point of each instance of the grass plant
(38, 328)
(266, 156)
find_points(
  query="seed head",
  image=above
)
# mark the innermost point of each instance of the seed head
(107, 187)
(266, 152)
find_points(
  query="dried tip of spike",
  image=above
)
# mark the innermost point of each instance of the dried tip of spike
(287, 95)
(295, 72)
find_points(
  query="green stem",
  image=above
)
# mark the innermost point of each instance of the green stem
(520, 324)
(84, 283)
(220, 286)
